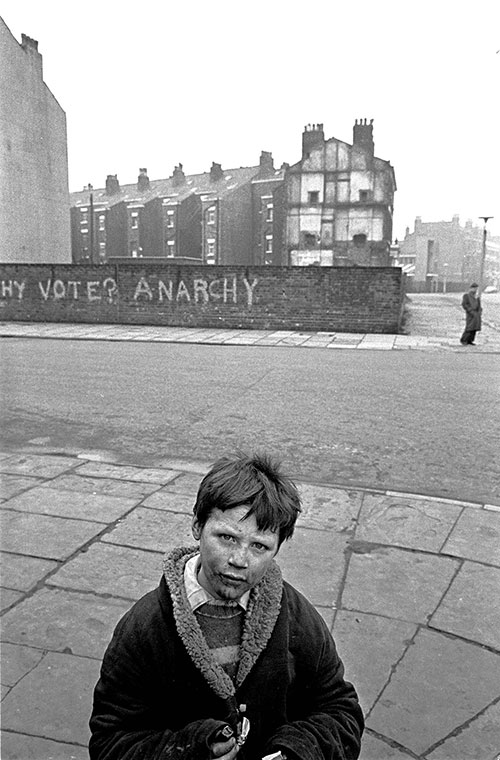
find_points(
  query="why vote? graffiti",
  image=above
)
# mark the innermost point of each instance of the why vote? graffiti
(198, 290)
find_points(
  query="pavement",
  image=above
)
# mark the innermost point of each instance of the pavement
(488, 342)
(407, 583)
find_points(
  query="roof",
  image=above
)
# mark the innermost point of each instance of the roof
(199, 184)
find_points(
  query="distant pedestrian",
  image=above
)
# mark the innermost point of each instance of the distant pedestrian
(471, 303)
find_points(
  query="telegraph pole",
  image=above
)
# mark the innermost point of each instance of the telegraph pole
(483, 253)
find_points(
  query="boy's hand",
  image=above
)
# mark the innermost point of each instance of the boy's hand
(224, 750)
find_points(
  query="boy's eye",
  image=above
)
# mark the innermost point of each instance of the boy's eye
(260, 547)
(227, 537)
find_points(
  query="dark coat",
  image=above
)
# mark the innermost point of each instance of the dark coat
(473, 311)
(161, 694)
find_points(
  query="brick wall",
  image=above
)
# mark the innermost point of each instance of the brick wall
(345, 299)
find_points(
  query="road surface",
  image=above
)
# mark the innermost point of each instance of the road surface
(423, 422)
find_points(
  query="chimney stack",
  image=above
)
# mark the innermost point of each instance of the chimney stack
(178, 176)
(266, 163)
(30, 47)
(112, 184)
(362, 136)
(216, 172)
(143, 181)
(313, 136)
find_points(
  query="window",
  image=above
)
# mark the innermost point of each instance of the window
(210, 255)
(269, 212)
(211, 215)
(313, 197)
(102, 220)
(84, 217)
(134, 219)
(309, 240)
(170, 248)
(359, 239)
(84, 230)
(269, 243)
(170, 217)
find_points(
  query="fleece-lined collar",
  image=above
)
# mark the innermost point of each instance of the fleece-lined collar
(263, 610)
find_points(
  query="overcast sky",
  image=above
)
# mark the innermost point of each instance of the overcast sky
(152, 83)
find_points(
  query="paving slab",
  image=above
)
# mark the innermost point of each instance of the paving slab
(79, 505)
(38, 465)
(400, 584)
(64, 621)
(153, 529)
(172, 501)
(370, 646)
(478, 739)
(373, 748)
(127, 472)
(476, 536)
(11, 485)
(17, 661)
(110, 569)
(314, 562)
(104, 486)
(22, 573)
(22, 747)
(333, 509)
(401, 521)
(8, 597)
(44, 536)
(47, 701)
(200, 468)
(436, 666)
(469, 608)
(187, 483)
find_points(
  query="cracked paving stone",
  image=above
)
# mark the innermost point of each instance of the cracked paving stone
(436, 666)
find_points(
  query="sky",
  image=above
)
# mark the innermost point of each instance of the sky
(154, 83)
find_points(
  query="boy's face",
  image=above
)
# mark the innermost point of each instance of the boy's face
(234, 553)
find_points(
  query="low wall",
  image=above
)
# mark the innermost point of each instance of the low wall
(330, 299)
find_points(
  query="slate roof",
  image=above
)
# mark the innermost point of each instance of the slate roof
(200, 184)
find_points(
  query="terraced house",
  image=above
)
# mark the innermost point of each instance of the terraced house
(333, 207)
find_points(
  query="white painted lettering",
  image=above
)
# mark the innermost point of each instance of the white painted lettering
(20, 288)
(250, 288)
(200, 287)
(7, 288)
(227, 290)
(45, 292)
(74, 284)
(110, 285)
(182, 291)
(212, 290)
(91, 287)
(163, 290)
(143, 289)
(59, 289)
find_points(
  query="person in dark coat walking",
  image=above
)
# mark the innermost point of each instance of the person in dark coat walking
(225, 659)
(471, 303)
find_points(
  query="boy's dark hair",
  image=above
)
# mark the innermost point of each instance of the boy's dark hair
(255, 481)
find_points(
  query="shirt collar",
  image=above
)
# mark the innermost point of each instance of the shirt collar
(196, 594)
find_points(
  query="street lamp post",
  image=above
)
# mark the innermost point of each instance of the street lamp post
(91, 225)
(445, 273)
(483, 253)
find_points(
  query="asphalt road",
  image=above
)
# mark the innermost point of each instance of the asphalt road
(423, 422)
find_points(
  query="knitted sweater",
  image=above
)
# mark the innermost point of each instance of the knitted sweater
(161, 693)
